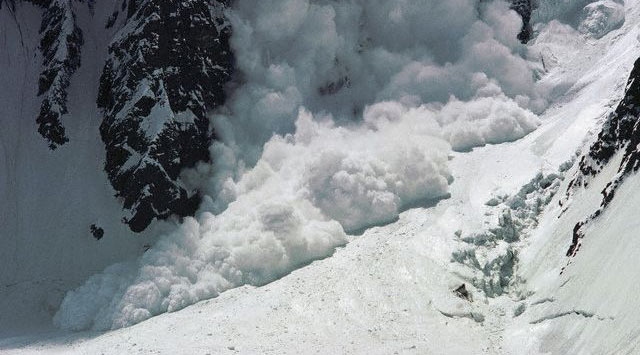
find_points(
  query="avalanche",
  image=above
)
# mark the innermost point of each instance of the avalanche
(327, 161)
(419, 164)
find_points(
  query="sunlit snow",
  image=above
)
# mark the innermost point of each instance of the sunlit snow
(345, 200)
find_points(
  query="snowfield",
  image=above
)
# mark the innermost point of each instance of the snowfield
(390, 290)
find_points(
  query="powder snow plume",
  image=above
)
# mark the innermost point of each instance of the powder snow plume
(344, 114)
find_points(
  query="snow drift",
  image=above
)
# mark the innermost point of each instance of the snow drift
(345, 114)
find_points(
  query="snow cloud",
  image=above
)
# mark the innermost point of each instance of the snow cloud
(593, 18)
(345, 113)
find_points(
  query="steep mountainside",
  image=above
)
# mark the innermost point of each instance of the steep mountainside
(103, 104)
(620, 135)
(167, 68)
(60, 44)
(399, 288)
(110, 101)
(167, 65)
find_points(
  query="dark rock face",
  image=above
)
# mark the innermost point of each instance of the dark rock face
(621, 132)
(96, 231)
(60, 44)
(524, 9)
(167, 67)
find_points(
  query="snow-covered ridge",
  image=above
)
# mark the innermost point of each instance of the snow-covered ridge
(60, 45)
(620, 135)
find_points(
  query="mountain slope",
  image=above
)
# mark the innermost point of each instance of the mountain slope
(582, 259)
(59, 203)
(620, 135)
(392, 288)
(60, 44)
(51, 198)
(167, 68)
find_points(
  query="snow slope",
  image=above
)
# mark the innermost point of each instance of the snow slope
(390, 289)
(60, 217)
(50, 198)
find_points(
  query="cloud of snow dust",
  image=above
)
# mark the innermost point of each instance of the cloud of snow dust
(346, 112)
(339, 57)
(592, 18)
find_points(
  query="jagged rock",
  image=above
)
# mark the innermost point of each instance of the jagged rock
(60, 45)
(519, 310)
(167, 68)
(463, 293)
(524, 9)
(96, 231)
(621, 132)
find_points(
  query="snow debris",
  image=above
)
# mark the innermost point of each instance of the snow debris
(347, 114)
(493, 253)
(602, 17)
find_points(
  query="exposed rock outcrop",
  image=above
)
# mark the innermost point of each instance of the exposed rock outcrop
(167, 68)
(620, 133)
(61, 45)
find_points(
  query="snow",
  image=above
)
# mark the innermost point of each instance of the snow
(591, 304)
(602, 17)
(485, 121)
(327, 176)
(387, 51)
(50, 199)
(390, 289)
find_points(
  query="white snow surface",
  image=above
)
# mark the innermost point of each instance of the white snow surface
(389, 290)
